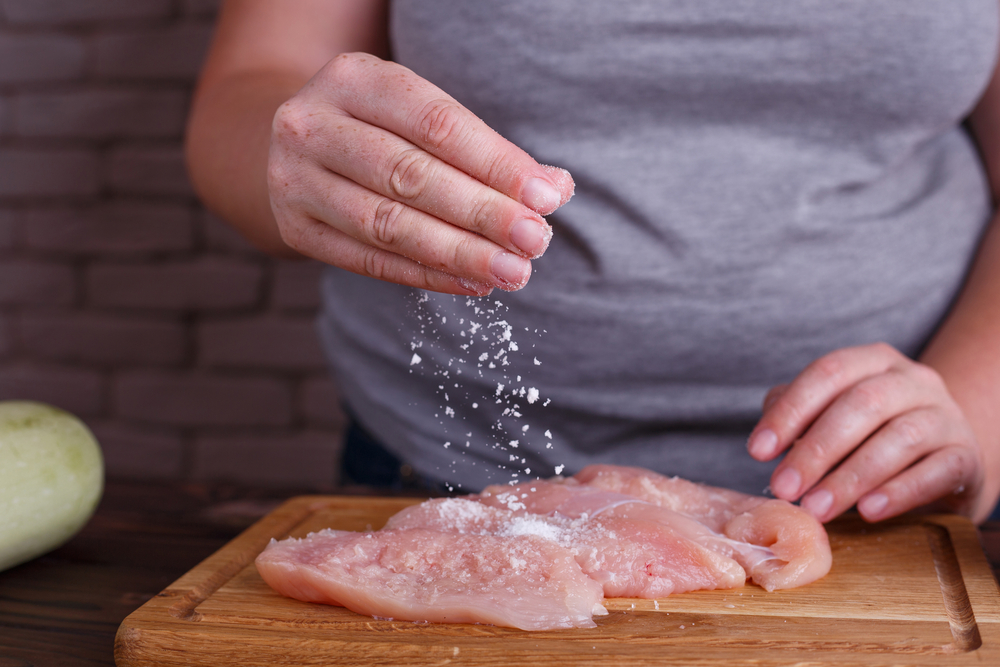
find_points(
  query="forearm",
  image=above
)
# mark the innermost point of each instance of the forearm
(966, 353)
(226, 147)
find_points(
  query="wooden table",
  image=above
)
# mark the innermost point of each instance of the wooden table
(64, 608)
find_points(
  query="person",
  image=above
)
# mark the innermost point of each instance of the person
(775, 205)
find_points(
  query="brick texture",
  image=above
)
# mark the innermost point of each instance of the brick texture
(101, 339)
(48, 172)
(185, 399)
(78, 391)
(34, 58)
(149, 170)
(320, 403)
(206, 284)
(58, 12)
(278, 460)
(174, 52)
(190, 354)
(296, 285)
(117, 227)
(100, 114)
(26, 282)
(268, 343)
(7, 226)
(137, 452)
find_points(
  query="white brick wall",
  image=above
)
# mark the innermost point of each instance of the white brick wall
(190, 354)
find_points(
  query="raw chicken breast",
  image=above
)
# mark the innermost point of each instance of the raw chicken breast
(416, 574)
(541, 555)
(798, 542)
(628, 557)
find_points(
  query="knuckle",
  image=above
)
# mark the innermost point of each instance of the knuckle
(383, 226)
(883, 349)
(375, 262)
(293, 122)
(437, 122)
(849, 481)
(869, 398)
(829, 367)
(409, 174)
(926, 375)
(462, 253)
(482, 216)
(909, 432)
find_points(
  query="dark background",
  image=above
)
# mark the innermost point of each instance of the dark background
(191, 356)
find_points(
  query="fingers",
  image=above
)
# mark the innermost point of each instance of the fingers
(868, 426)
(854, 415)
(412, 108)
(404, 173)
(896, 449)
(334, 247)
(390, 161)
(388, 225)
(948, 472)
(809, 394)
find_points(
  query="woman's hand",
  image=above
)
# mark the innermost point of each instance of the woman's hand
(377, 171)
(869, 426)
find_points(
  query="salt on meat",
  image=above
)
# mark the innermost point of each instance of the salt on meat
(416, 574)
(799, 543)
(628, 557)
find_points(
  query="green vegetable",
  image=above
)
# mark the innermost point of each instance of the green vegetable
(51, 479)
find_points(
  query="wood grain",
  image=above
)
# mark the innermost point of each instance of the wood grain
(914, 591)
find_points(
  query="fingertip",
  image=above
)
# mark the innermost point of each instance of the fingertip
(872, 507)
(763, 444)
(545, 195)
(818, 503)
(475, 287)
(786, 484)
(511, 271)
(563, 181)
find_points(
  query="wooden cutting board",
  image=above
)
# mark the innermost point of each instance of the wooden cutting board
(913, 591)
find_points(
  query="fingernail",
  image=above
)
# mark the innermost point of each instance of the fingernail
(531, 237)
(871, 506)
(512, 271)
(476, 287)
(818, 503)
(540, 195)
(786, 484)
(762, 444)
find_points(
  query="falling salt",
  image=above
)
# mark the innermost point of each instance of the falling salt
(524, 429)
(415, 359)
(537, 362)
(559, 469)
(532, 395)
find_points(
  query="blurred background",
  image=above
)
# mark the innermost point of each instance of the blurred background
(191, 356)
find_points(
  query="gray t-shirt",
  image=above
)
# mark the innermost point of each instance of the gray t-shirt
(757, 183)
